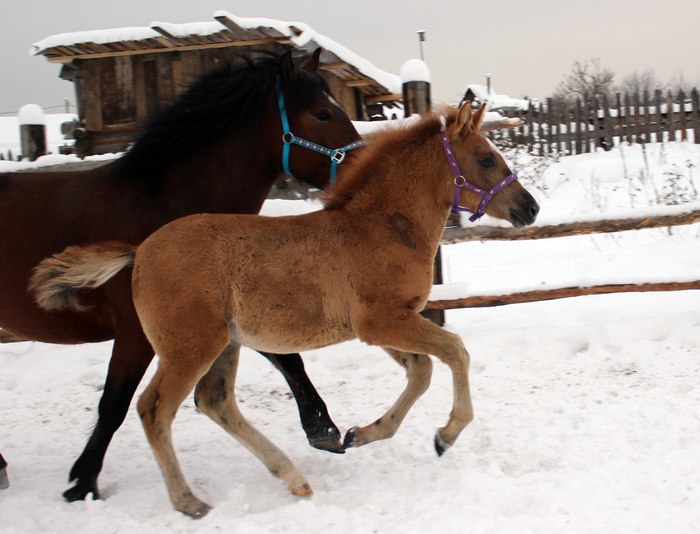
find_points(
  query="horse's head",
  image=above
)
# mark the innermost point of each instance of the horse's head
(317, 132)
(484, 182)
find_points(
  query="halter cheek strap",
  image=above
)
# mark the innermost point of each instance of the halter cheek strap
(461, 183)
(336, 155)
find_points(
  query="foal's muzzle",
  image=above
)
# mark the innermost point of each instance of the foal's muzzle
(526, 212)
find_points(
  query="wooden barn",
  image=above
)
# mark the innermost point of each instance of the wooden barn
(122, 75)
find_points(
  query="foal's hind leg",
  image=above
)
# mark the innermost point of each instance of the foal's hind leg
(320, 429)
(214, 395)
(419, 370)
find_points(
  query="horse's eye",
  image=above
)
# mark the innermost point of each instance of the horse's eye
(487, 162)
(323, 116)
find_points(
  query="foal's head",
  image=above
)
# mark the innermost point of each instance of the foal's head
(483, 166)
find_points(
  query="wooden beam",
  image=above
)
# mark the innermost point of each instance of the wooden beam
(237, 30)
(481, 233)
(357, 83)
(486, 301)
(252, 42)
(383, 98)
(334, 66)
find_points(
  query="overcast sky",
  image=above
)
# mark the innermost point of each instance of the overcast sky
(527, 47)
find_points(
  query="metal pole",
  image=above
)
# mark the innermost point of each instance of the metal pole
(421, 39)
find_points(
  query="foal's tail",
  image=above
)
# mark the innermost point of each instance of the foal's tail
(57, 280)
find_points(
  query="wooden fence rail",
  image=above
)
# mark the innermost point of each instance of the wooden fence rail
(457, 235)
(595, 122)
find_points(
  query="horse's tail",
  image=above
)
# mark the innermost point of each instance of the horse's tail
(57, 280)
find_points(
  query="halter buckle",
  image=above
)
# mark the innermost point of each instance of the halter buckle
(460, 181)
(288, 137)
(338, 156)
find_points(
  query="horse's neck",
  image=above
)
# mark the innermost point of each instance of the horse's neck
(228, 178)
(409, 193)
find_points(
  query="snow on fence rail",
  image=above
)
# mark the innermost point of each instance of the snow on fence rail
(457, 235)
(595, 122)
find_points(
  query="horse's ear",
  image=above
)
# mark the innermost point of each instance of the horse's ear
(312, 63)
(479, 116)
(464, 118)
(287, 69)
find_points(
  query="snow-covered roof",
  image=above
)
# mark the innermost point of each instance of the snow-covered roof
(495, 101)
(226, 30)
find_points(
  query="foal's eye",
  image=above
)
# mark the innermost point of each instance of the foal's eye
(323, 116)
(487, 162)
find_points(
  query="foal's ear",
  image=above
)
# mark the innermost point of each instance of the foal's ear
(464, 118)
(287, 69)
(468, 121)
(312, 63)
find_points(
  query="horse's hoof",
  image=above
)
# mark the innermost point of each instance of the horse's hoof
(4, 480)
(441, 445)
(303, 490)
(328, 444)
(81, 490)
(350, 439)
(194, 508)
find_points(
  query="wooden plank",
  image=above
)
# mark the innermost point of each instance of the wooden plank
(695, 101)
(608, 124)
(682, 126)
(485, 301)
(578, 144)
(659, 117)
(92, 95)
(629, 120)
(670, 117)
(483, 233)
(586, 125)
(638, 118)
(98, 55)
(649, 120)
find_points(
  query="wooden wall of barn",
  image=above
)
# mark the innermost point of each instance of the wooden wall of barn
(117, 94)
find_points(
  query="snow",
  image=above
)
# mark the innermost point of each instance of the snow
(587, 409)
(414, 70)
(31, 114)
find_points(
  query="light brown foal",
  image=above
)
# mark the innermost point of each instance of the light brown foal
(361, 268)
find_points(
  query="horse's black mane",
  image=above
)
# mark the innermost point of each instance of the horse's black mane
(230, 98)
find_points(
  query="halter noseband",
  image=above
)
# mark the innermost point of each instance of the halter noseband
(461, 182)
(337, 155)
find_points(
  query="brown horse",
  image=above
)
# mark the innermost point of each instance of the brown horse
(204, 284)
(217, 149)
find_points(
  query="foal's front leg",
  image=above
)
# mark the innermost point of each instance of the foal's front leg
(419, 369)
(415, 334)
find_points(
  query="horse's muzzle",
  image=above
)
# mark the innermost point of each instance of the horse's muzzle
(526, 212)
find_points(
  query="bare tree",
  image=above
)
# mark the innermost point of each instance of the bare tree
(638, 82)
(587, 77)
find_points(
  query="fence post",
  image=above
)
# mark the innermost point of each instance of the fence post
(659, 117)
(681, 99)
(695, 102)
(415, 77)
(32, 127)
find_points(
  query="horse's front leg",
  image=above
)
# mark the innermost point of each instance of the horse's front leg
(318, 425)
(419, 369)
(417, 335)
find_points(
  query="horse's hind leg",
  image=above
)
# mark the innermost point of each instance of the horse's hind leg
(131, 355)
(419, 369)
(4, 480)
(318, 425)
(215, 396)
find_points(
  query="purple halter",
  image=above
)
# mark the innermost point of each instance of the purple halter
(461, 182)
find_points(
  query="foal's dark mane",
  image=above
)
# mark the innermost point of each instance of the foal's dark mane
(383, 151)
(228, 99)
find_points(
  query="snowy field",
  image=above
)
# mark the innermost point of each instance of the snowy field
(587, 410)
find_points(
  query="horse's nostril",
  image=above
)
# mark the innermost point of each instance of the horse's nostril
(534, 208)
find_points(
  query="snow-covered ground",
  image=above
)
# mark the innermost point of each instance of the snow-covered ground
(587, 409)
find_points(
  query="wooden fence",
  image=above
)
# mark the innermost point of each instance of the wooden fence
(480, 233)
(596, 122)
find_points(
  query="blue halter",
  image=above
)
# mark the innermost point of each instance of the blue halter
(337, 155)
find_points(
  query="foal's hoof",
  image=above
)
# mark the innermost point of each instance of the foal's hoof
(303, 490)
(350, 439)
(4, 480)
(194, 508)
(441, 445)
(81, 490)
